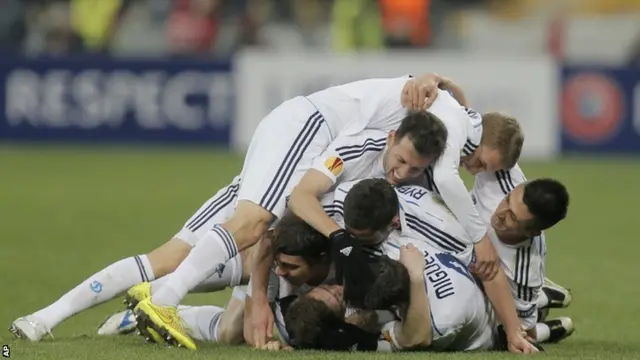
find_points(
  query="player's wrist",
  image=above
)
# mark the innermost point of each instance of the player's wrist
(416, 276)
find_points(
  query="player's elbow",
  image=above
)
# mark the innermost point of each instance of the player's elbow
(297, 198)
(418, 338)
(414, 342)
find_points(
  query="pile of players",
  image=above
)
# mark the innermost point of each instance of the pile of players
(354, 231)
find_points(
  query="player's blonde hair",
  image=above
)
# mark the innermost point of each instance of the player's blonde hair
(503, 133)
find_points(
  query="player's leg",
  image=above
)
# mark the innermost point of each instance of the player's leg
(211, 323)
(100, 287)
(285, 142)
(236, 272)
(124, 274)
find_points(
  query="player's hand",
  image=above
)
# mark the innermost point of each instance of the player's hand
(517, 344)
(413, 260)
(419, 93)
(487, 262)
(261, 321)
(275, 345)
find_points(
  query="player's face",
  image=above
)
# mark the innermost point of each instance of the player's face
(401, 161)
(483, 159)
(298, 272)
(512, 215)
(332, 296)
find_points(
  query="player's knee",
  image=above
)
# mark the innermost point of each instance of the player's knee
(166, 258)
(248, 223)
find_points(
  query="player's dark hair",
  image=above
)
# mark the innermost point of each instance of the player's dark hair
(310, 324)
(293, 236)
(426, 131)
(548, 202)
(371, 205)
(391, 287)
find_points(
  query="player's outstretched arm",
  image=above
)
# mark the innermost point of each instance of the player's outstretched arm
(499, 295)
(304, 202)
(260, 315)
(415, 329)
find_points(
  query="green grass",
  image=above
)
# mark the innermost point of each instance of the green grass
(67, 212)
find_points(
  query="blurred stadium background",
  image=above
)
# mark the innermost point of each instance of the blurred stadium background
(120, 117)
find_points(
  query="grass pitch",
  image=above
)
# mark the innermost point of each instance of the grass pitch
(66, 212)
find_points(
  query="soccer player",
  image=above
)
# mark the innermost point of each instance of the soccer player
(518, 212)
(281, 151)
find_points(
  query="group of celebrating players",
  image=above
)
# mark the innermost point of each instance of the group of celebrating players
(350, 228)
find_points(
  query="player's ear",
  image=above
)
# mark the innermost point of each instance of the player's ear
(391, 138)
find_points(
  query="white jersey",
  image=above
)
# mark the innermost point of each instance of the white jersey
(423, 217)
(352, 157)
(365, 104)
(524, 263)
(461, 317)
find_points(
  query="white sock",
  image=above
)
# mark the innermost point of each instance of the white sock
(202, 321)
(230, 276)
(542, 332)
(214, 249)
(100, 287)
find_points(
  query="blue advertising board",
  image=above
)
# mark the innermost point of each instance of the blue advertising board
(104, 99)
(600, 110)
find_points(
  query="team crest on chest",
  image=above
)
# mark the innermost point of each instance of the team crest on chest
(335, 165)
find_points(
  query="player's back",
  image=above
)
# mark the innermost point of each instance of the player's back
(462, 318)
(352, 107)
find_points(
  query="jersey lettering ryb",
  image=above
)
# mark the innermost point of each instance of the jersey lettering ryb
(523, 264)
(461, 317)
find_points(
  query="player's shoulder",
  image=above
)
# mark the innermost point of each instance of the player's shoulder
(501, 181)
(366, 142)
